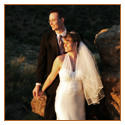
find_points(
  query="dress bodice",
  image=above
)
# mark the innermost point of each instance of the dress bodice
(66, 75)
(68, 79)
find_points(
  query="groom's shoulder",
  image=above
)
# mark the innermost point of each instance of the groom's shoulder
(49, 33)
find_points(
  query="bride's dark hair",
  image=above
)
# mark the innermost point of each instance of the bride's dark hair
(74, 35)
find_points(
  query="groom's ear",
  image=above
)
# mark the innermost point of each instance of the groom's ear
(62, 19)
(76, 43)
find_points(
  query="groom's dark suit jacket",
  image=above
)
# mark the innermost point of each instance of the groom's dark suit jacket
(49, 50)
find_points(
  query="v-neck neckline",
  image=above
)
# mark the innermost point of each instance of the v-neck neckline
(71, 64)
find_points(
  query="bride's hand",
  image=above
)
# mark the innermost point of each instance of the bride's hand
(40, 93)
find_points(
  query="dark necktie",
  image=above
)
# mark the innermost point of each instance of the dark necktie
(61, 45)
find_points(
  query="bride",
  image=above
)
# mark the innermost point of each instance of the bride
(79, 80)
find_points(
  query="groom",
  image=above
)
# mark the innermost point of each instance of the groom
(49, 50)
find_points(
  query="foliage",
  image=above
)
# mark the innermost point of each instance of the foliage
(98, 63)
(32, 41)
(21, 19)
(9, 31)
(32, 116)
(19, 81)
(89, 35)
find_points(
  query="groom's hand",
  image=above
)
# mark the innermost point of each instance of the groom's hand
(40, 94)
(36, 91)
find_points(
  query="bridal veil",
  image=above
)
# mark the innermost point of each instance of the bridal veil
(87, 70)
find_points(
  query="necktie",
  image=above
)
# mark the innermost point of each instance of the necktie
(61, 45)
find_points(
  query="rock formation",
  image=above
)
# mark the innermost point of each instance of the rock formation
(108, 44)
(38, 105)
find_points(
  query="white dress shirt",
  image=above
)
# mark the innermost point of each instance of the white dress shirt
(63, 34)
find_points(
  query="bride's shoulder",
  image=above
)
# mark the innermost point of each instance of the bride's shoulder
(60, 57)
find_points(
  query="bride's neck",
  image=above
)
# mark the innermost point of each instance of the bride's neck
(73, 55)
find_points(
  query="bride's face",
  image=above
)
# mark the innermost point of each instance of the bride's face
(69, 45)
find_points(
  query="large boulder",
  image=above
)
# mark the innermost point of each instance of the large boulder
(108, 44)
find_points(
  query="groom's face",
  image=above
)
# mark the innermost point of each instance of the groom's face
(55, 22)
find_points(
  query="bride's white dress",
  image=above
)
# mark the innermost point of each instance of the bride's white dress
(76, 86)
(70, 100)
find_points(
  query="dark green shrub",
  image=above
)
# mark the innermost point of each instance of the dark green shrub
(19, 80)
(9, 31)
(70, 18)
(89, 35)
(32, 41)
(33, 116)
(93, 48)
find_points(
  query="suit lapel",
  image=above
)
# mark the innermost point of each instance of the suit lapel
(53, 42)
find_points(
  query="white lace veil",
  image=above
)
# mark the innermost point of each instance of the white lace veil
(87, 70)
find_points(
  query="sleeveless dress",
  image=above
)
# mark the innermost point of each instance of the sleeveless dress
(69, 100)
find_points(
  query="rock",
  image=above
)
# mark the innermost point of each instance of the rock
(38, 105)
(111, 82)
(108, 44)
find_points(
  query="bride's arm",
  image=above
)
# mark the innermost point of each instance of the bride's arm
(52, 75)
